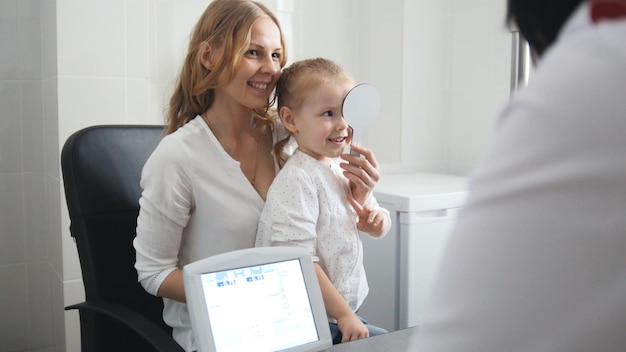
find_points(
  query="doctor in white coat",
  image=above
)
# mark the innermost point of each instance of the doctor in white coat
(537, 261)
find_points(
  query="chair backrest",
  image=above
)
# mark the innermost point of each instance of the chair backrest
(101, 168)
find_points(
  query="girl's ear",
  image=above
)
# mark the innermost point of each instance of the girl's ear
(207, 55)
(288, 119)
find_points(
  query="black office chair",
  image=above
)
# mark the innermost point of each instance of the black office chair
(101, 168)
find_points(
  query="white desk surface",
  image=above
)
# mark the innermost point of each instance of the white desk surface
(395, 341)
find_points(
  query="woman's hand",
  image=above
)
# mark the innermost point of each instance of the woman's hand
(361, 171)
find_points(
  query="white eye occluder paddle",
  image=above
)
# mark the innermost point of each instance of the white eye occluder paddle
(360, 107)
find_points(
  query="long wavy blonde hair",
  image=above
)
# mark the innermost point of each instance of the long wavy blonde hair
(227, 24)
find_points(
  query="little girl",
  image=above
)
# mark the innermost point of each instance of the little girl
(310, 203)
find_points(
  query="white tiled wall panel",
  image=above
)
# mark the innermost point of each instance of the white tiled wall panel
(31, 114)
(30, 300)
(40, 281)
(13, 299)
(12, 220)
(10, 138)
(37, 237)
(29, 39)
(9, 60)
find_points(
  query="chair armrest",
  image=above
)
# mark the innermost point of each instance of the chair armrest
(143, 326)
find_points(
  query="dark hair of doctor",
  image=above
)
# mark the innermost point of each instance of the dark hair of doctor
(539, 21)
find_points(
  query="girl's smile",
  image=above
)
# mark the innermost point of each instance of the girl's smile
(318, 125)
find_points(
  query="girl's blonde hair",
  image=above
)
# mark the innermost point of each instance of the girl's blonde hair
(297, 80)
(226, 24)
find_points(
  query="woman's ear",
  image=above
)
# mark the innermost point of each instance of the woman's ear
(207, 55)
(288, 119)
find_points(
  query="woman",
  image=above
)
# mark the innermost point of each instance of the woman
(205, 184)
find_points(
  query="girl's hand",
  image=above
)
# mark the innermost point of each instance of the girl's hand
(361, 171)
(352, 328)
(373, 222)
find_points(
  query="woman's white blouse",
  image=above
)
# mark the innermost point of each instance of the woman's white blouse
(196, 202)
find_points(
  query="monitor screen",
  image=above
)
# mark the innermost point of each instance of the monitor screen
(263, 307)
(260, 299)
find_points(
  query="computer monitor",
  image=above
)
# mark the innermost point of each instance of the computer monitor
(256, 299)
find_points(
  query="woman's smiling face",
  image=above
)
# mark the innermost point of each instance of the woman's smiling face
(259, 68)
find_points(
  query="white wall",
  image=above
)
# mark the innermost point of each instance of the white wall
(456, 75)
(442, 67)
(479, 79)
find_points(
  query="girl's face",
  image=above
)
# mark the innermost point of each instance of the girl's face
(318, 124)
(259, 69)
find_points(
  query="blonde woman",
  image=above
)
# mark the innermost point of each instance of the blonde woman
(205, 184)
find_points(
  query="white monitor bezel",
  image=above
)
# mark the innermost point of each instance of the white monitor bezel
(251, 257)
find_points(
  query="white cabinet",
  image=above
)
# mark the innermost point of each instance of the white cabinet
(401, 266)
